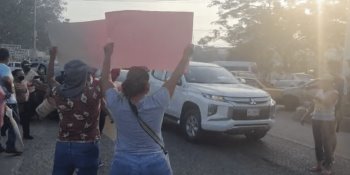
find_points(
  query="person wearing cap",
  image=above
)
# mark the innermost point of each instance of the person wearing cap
(78, 102)
(325, 98)
(136, 151)
(29, 74)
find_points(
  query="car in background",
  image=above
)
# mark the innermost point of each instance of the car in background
(14, 65)
(39, 67)
(296, 96)
(275, 93)
(122, 76)
(302, 76)
(209, 98)
(292, 80)
(243, 74)
(238, 66)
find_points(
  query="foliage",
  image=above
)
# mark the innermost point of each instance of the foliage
(291, 30)
(17, 21)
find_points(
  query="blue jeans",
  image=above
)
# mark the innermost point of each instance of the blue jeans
(70, 156)
(11, 137)
(140, 164)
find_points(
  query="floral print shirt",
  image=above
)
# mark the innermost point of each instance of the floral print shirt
(79, 117)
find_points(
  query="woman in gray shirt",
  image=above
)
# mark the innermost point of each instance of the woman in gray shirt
(136, 152)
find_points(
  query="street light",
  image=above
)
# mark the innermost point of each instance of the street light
(34, 31)
(346, 57)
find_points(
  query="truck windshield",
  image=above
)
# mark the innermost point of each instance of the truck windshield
(34, 65)
(210, 75)
(237, 68)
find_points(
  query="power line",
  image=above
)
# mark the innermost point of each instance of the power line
(212, 29)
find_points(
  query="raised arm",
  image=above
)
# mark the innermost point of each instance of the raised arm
(106, 81)
(51, 67)
(180, 69)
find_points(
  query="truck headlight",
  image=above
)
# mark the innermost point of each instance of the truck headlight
(272, 108)
(214, 97)
(212, 109)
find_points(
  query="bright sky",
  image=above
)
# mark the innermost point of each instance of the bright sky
(85, 10)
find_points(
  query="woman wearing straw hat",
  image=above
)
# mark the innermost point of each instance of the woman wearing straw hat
(78, 102)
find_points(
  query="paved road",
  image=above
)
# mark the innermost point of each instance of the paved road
(37, 158)
(216, 154)
(287, 126)
(222, 154)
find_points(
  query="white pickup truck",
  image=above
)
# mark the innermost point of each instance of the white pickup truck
(210, 98)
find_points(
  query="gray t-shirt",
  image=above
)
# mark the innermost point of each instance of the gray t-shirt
(131, 138)
(5, 71)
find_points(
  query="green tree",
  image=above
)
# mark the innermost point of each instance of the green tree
(260, 30)
(17, 21)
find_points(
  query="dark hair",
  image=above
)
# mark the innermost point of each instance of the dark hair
(15, 72)
(4, 54)
(136, 82)
(25, 62)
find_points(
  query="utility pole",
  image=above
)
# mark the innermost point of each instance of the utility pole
(346, 57)
(34, 31)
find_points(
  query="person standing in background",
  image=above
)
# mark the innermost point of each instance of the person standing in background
(324, 125)
(22, 96)
(29, 76)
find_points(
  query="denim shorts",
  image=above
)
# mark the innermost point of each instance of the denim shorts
(79, 157)
(141, 164)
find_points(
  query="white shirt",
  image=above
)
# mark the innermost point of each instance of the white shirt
(29, 78)
(323, 112)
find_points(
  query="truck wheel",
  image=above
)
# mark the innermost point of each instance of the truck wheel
(290, 103)
(255, 135)
(191, 125)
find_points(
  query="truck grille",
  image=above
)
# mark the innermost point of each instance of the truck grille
(242, 114)
(248, 101)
